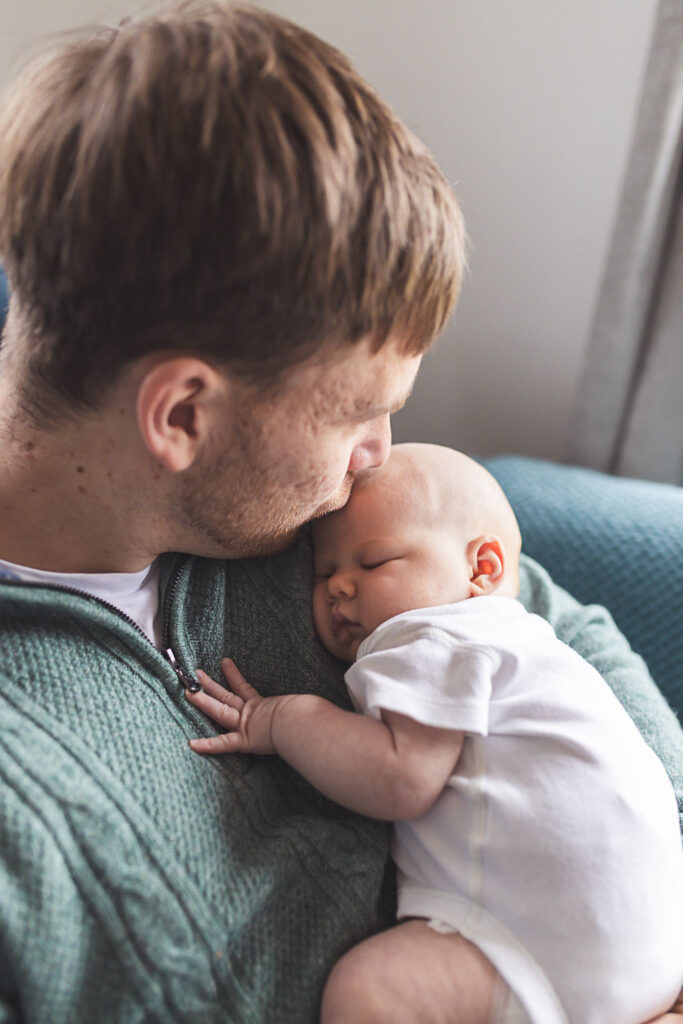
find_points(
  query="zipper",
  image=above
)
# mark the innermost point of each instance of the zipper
(188, 681)
(169, 597)
(186, 678)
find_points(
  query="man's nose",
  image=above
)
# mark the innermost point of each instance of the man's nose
(373, 447)
(341, 584)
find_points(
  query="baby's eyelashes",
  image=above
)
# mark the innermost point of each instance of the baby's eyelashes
(388, 556)
(326, 573)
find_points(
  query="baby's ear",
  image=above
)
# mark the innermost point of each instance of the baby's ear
(486, 558)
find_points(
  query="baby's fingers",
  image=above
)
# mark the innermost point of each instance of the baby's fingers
(217, 708)
(236, 680)
(226, 743)
(218, 690)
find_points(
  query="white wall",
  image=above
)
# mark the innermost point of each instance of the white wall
(528, 107)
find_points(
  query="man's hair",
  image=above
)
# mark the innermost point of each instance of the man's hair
(217, 180)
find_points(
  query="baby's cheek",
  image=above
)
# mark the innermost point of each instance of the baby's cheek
(388, 600)
(318, 605)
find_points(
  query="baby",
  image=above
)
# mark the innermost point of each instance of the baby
(540, 871)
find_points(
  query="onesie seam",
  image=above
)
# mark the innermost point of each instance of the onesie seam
(447, 640)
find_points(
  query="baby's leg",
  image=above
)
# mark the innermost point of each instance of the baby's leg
(412, 974)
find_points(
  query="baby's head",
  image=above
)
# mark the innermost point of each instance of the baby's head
(429, 527)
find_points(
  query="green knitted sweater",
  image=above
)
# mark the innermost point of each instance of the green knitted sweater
(140, 882)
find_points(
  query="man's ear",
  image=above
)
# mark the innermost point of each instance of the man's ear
(177, 404)
(487, 560)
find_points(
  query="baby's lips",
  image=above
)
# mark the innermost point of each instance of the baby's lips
(345, 637)
(341, 624)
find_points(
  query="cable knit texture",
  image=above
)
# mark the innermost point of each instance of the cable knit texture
(140, 882)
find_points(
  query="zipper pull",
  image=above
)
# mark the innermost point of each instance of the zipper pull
(189, 682)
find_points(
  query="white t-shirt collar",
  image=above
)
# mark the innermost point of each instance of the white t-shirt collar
(136, 594)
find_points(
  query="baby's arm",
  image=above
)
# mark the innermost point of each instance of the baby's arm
(393, 768)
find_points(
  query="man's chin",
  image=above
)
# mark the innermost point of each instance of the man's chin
(272, 545)
(275, 543)
(252, 547)
(260, 545)
(335, 503)
(278, 542)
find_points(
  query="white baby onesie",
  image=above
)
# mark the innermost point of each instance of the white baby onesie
(555, 846)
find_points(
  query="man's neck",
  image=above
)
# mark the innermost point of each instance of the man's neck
(69, 501)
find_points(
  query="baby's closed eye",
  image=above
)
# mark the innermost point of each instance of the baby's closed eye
(377, 561)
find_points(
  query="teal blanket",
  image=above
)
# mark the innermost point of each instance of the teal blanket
(611, 541)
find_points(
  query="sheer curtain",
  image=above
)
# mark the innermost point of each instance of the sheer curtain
(629, 411)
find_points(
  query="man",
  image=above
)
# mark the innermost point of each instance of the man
(226, 259)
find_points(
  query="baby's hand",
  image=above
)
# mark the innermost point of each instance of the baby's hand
(241, 710)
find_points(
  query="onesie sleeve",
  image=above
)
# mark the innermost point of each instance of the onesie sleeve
(427, 674)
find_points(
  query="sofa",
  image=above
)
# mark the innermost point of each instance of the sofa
(610, 541)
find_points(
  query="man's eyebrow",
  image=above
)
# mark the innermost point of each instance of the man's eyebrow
(402, 401)
(366, 408)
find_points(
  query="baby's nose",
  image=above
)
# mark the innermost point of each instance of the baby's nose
(341, 584)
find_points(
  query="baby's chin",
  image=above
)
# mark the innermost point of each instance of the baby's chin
(357, 641)
(344, 652)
